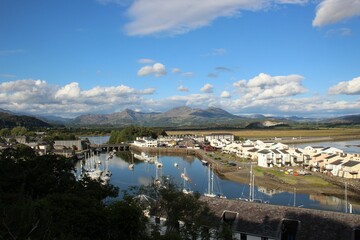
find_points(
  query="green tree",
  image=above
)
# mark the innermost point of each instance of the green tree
(19, 131)
(174, 205)
(5, 132)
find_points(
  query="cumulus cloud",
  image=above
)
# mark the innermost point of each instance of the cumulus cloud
(37, 96)
(157, 69)
(182, 89)
(225, 94)
(265, 86)
(331, 11)
(69, 91)
(351, 87)
(207, 88)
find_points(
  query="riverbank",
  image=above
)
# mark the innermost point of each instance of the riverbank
(272, 178)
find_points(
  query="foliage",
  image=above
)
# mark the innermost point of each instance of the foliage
(130, 133)
(170, 202)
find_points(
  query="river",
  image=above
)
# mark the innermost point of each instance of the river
(145, 172)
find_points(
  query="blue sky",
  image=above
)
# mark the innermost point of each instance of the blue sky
(274, 57)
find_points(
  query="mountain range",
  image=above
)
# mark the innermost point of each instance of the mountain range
(179, 117)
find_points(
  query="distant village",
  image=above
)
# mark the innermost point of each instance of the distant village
(267, 154)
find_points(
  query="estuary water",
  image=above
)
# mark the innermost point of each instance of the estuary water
(144, 173)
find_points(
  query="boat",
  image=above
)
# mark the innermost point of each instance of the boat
(158, 164)
(210, 189)
(204, 162)
(176, 165)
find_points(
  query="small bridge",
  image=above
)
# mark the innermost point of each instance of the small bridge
(106, 147)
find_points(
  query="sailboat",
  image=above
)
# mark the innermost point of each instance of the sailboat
(185, 179)
(210, 189)
(252, 189)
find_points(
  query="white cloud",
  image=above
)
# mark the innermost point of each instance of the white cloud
(176, 70)
(157, 69)
(265, 86)
(5, 75)
(340, 32)
(118, 2)
(217, 52)
(225, 94)
(331, 11)
(187, 74)
(351, 87)
(146, 60)
(162, 16)
(69, 91)
(182, 89)
(292, 1)
(37, 96)
(207, 88)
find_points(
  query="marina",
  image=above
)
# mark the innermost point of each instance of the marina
(144, 172)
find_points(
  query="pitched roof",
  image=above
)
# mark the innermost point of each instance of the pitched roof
(351, 163)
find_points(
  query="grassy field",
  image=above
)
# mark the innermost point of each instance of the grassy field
(280, 133)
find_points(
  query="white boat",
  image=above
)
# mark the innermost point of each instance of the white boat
(176, 165)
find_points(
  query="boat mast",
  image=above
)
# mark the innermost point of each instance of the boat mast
(209, 180)
(250, 184)
(212, 181)
(346, 200)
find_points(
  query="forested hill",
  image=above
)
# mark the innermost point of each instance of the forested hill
(8, 120)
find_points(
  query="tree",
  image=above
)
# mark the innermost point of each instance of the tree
(5, 132)
(176, 206)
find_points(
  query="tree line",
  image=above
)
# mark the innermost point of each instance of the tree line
(132, 132)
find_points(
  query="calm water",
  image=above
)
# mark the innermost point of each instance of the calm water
(144, 173)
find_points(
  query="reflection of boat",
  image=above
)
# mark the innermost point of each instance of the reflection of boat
(210, 190)
(185, 179)
(131, 165)
(252, 190)
(158, 164)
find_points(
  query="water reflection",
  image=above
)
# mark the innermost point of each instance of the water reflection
(145, 172)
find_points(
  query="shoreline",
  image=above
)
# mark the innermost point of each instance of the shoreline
(333, 185)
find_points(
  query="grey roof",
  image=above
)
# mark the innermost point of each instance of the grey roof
(331, 156)
(253, 150)
(337, 162)
(266, 219)
(264, 151)
(351, 163)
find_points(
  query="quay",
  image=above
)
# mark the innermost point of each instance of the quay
(250, 220)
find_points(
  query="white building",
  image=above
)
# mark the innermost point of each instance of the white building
(145, 142)
(219, 136)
